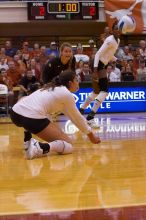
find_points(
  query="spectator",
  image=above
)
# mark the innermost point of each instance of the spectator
(142, 49)
(80, 55)
(28, 84)
(131, 64)
(52, 50)
(19, 64)
(4, 80)
(43, 57)
(3, 63)
(119, 64)
(3, 54)
(91, 50)
(26, 53)
(119, 53)
(127, 74)
(19, 53)
(114, 75)
(141, 71)
(116, 70)
(9, 50)
(85, 74)
(36, 68)
(79, 67)
(136, 61)
(127, 55)
(36, 50)
(132, 49)
(13, 74)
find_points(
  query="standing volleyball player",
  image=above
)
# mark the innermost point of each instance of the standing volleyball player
(32, 113)
(103, 56)
(55, 66)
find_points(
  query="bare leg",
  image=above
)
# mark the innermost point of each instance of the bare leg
(103, 92)
(53, 132)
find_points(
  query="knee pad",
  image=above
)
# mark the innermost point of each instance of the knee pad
(67, 148)
(61, 147)
(103, 84)
(101, 96)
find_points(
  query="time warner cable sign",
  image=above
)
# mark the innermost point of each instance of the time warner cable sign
(119, 99)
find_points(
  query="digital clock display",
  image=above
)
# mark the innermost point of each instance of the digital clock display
(63, 7)
(63, 10)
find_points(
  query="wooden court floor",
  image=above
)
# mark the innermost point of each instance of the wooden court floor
(96, 182)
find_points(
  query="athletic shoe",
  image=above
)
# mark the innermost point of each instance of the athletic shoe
(34, 150)
(90, 116)
(26, 144)
(61, 147)
(93, 124)
(81, 111)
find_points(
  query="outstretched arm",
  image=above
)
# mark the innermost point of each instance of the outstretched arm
(75, 116)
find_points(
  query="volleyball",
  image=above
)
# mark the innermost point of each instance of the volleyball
(127, 24)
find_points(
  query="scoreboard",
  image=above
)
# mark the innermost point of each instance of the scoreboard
(62, 10)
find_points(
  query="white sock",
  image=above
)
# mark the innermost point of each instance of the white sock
(61, 147)
(88, 100)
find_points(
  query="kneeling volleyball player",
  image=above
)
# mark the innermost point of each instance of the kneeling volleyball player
(32, 113)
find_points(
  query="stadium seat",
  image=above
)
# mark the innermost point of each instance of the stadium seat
(4, 100)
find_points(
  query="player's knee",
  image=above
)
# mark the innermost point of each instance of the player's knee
(67, 148)
(61, 147)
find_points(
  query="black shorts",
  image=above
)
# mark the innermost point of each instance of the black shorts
(101, 66)
(30, 124)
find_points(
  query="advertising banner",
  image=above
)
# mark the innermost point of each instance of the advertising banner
(119, 99)
(115, 9)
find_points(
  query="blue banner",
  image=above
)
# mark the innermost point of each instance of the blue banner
(119, 99)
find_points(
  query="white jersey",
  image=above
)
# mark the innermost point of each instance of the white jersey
(113, 77)
(44, 103)
(106, 51)
(81, 57)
